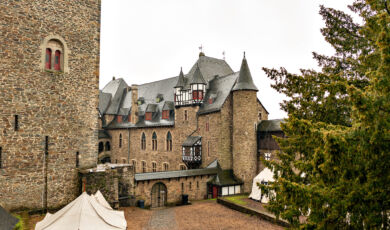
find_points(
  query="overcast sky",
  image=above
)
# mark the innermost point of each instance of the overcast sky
(149, 40)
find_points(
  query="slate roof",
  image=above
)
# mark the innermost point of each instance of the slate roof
(225, 178)
(180, 79)
(244, 80)
(104, 101)
(219, 90)
(270, 125)
(197, 78)
(174, 174)
(7, 221)
(191, 140)
(116, 88)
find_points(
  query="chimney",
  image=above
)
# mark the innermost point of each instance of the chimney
(113, 78)
(134, 103)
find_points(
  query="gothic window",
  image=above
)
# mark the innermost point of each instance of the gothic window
(77, 159)
(154, 166)
(101, 147)
(154, 141)
(108, 146)
(165, 114)
(169, 141)
(54, 54)
(148, 116)
(57, 59)
(165, 166)
(120, 140)
(48, 58)
(143, 141)
(267, 156)
(143, 166)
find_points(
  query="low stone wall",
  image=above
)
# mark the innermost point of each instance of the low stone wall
(113, 181)
(263, 215)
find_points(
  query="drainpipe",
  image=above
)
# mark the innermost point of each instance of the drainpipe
(128, 148)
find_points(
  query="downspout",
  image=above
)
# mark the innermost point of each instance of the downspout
(128, 148)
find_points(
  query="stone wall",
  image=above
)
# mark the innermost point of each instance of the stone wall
(58, 104)
(143, 189)
(245, 119)
(108, 181)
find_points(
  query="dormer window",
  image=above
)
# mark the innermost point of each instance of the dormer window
(148, 116)
(165, 114)
(197, 95)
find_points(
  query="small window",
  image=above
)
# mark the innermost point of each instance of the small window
(259, 116)
(197, 95)
(267, 156)
(154, 166)
(207, 124)
(108, 146)
(46, 145)
(154, 141)
(182, 187)
(77, 159)
(101, 147)
(208, 148)
(190, 186)
(165, 166)
(119, 118)
(134, 163)
(183, 167)
(169, 141)
(116, 161)
(143, 166)
(148, 116)
(165, 114)
(16, 127)
(48, 59)
(143, 141)
(123, 161)
(197, 184)
(120, 140)
(185, 115)
(57, 61)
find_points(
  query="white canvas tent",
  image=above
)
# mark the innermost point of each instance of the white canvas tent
(264, 177)
(84, 213)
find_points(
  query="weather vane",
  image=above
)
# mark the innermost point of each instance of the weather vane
(201, 48)
(223, 53)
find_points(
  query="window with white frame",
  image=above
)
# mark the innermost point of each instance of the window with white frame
(267, 156)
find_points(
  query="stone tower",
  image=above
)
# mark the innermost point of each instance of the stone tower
(49, 79)
(244, 122)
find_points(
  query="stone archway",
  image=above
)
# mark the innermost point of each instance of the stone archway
(159, 195)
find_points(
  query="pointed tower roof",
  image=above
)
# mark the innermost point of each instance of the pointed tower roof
(198, 77)
(180, 81)
(244, 80)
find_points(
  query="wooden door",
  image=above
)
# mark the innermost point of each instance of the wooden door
(159, 195)
(215, 191)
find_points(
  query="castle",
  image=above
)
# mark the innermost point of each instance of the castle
(196, 133)
(193, 134)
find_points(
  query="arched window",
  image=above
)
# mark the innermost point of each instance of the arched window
(183, 167)
(48, 58)
(143, 166)
(120, 140)
(54, 54)
(57, 60)
(134, 163)
(108, 146)
(154, 166)
(165, 166)
(169, 141)
(154, 141)
(143, 141)
(101, 147)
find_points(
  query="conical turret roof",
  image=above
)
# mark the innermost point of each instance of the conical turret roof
(244, 80)
(198, 77)
(180, 81)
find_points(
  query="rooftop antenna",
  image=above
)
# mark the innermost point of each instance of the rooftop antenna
(223, 53)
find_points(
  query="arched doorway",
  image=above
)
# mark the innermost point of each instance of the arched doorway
(159, 195)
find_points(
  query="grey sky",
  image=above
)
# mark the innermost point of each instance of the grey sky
(144, 41)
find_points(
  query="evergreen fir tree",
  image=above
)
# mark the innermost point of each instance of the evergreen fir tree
(334, 167)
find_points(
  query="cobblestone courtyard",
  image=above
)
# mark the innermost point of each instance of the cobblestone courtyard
(200, 215)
